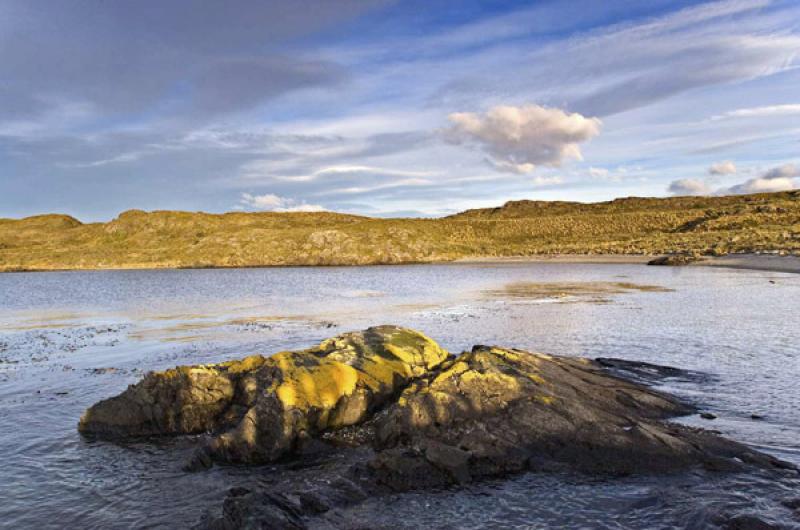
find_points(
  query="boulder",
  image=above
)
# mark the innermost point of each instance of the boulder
(260, 408)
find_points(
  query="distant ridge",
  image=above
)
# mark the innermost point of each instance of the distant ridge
(634, 225)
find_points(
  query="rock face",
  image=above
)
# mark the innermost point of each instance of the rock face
(262, 407)
(413, 417)
(492, 411)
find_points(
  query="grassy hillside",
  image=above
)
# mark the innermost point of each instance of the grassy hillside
(136, 239)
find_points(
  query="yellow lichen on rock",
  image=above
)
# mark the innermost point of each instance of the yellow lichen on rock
(263, 406)
(248, 364)
(321, 386)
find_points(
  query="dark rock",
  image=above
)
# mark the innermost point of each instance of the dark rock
(675, 259)
(505, 408)
(647, 373)
(792, 504)
(748, 522)
(708, 416)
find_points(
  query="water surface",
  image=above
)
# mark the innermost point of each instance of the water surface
(68, 339)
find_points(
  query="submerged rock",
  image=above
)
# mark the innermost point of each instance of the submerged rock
(411, 417)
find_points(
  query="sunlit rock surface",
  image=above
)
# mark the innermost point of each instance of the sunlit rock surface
(492, 411)
(262, 407)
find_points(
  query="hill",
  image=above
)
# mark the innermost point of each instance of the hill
(138, 239)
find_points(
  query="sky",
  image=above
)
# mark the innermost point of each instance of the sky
(381, 108)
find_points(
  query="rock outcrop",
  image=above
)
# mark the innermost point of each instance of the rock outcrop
(677, 259)
(394, 411)
(261, 408)
(492, 411)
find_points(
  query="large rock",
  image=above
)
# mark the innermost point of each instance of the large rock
(493, 410)
(413, 417)
(259, 407)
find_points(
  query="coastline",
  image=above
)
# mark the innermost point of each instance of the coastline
(622, 259)
(760, 262)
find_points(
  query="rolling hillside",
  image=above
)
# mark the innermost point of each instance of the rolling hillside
(137, 239)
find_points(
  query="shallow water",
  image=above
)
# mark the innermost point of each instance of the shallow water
(68, 339)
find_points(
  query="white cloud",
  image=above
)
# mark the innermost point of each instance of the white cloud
(606, 175)
(520, 138)
(783, 172)
(780, 178)
(689, 187)
(760, 185)
(274, 203)
(598, 172)
(547, 181)
(761, 112)
(388, 185)
(722, 168)
(510, 167)
(265, 169)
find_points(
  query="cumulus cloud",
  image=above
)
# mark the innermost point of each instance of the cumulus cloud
(274, 203)
(780, 178)
(689, 187)
(520, 138)
(760, 185)
(786, 171)
(722, 168)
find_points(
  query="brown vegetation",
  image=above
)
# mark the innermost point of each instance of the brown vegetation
(642, 226)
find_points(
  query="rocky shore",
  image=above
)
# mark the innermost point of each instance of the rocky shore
(388, 410)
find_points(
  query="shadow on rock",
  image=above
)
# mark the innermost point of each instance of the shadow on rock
(387, 410)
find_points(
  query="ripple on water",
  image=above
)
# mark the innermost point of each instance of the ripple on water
(66, 349)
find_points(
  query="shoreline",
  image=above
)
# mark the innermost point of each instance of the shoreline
(622, 259)
(759, 262)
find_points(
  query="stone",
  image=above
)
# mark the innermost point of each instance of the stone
(261, 408)
(505, 408)
(387, 410)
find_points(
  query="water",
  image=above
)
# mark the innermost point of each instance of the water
(69, 339)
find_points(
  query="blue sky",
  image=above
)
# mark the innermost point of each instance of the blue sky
(391, 108)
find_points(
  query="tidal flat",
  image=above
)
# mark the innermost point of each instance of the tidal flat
(70, 339)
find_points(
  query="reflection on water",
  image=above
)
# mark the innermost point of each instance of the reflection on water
(68, 339)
